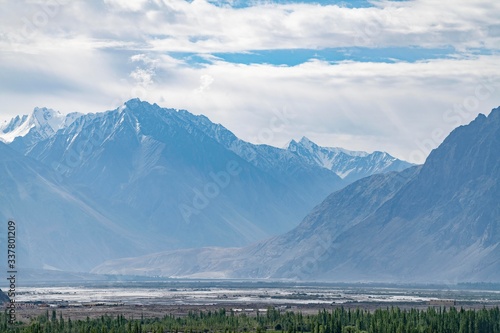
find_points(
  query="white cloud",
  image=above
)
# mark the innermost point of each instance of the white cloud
(93, 55)
(126, 5)
(205, 82)
(198, 26)
(354, 105)
(368, 106)
(144, 73)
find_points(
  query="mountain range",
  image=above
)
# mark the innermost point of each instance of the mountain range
(439, 222)
(86, 188)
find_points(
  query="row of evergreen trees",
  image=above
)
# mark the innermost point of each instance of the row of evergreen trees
(340, 320)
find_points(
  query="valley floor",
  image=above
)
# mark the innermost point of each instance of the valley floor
(25, 313)
(178, 298)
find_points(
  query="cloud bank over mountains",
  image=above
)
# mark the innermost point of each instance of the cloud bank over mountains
(391, 75)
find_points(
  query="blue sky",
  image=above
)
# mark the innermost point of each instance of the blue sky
(293, 57)
(246, 3)
(363, 75)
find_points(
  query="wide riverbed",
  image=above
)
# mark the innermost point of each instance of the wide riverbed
(212, 293)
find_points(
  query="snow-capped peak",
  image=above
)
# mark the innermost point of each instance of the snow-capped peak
(134, 103)
(343, 162)
(46, 122)
(306, 142)
(290, 145)
(48, 119)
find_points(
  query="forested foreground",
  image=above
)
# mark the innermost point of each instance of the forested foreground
(340, 320)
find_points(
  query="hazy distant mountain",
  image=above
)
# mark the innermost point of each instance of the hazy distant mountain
(438, 222)
(295, 254)
(302, 156)
(42, 123)
(55, 227)
(348, 165)
(176, 184)
(166, 176)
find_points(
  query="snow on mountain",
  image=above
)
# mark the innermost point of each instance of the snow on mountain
(313, 181)
(173, 178)
(13, 125)
(294, 158)
(348, 165)
(18, 126)
(311, 146)
(436, 223)
(304, 155)
(164, 178)
(41, 123)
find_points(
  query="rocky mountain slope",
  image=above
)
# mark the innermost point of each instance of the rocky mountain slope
(169, 178)
(438, 222)
(56, 227)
